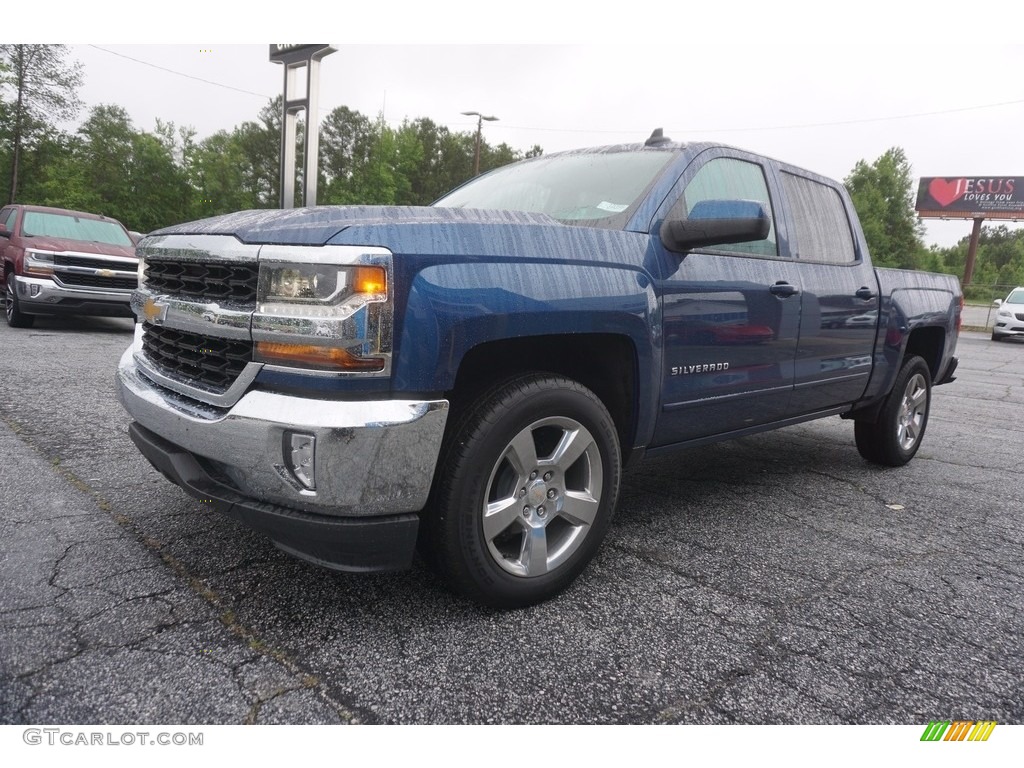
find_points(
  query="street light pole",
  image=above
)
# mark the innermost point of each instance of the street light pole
(479, 130)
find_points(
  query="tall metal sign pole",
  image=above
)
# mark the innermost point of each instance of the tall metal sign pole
(294, 57)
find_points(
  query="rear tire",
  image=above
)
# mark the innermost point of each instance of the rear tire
(15, 317)
(526, 488)
(894, 437)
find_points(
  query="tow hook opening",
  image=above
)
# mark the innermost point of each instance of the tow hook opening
(300, 458)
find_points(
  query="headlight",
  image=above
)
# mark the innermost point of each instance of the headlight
(1005, 313)
(318, 290)
(323, 316)
(38, 262)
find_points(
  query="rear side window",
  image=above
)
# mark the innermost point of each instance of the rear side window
(726, 178)
(822, 227)
(7, 218)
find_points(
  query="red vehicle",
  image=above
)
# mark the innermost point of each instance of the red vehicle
(59, 262)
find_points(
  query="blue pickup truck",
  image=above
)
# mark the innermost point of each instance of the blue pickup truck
(471, 378)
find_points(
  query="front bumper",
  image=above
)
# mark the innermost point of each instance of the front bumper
(339, 543)
(1008, 326)
(43, 296)
(374, 465)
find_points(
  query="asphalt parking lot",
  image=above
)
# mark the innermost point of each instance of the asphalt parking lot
(773, 579)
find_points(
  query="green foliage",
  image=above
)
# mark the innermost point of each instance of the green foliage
(152, 179)
(999, 263)
(883, 194)
(133, 173)
(42, 90)
(370, 163)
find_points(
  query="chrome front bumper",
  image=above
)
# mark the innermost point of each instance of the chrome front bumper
(41, 294)
(372, 458)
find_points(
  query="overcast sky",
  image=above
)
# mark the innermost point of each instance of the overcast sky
(839, 85)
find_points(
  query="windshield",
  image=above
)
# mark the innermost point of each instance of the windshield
(74, 228)
(580, 187)
(1015, 297)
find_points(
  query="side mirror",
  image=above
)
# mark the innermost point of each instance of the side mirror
(4, 232)
(716, 222)
(997, 303)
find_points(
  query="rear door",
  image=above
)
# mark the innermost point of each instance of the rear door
(840, 294)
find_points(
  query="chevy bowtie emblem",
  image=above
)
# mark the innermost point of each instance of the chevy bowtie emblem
(105, 272)
(155, 313)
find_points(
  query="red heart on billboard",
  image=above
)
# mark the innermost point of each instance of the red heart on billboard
(945, 192)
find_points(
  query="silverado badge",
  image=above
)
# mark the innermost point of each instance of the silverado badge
(682, 370)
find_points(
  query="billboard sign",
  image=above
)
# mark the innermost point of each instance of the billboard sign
(969, 197)
(299, 53)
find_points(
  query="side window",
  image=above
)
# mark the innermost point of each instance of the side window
(728, 179)
(7, 217)
(822, 227)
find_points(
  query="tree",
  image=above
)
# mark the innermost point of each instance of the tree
(217, 172)
(883, 194)
(44, 91)
(999, 265)
(260, 144)
(56, 174)
(132, 173)
(347, 139)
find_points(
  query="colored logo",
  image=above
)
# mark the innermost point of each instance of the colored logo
(153, 312)
(958, 730)
(946, 192)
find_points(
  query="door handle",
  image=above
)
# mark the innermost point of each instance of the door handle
(782, 289)
(865, 293)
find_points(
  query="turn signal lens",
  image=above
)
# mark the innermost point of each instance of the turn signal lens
(370, 280)
(318, 357)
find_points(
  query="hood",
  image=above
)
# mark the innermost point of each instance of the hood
(316, 226)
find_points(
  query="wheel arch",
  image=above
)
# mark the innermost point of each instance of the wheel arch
(606, 364)
(927, 343)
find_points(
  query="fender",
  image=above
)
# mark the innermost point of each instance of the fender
(452, 308)
(912, 301)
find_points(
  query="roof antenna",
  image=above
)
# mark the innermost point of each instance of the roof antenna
(656, 138)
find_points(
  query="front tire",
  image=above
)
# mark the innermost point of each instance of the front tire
(996, 336)
(527, 485)
(15, 317)
(894, 437)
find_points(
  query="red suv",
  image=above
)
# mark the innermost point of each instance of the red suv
(58, 262)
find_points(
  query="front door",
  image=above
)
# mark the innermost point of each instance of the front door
(731, 316)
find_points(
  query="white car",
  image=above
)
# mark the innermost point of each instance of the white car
(1010, 316)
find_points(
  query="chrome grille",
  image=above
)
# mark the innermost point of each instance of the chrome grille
(203, 361)
(205, 280)
(80, 270)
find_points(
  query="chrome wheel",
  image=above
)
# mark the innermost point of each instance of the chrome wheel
(525, 491)
(9, 298)
(542, 496)
(913, 412)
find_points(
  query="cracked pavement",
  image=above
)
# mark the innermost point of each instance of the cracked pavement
(773, 579)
